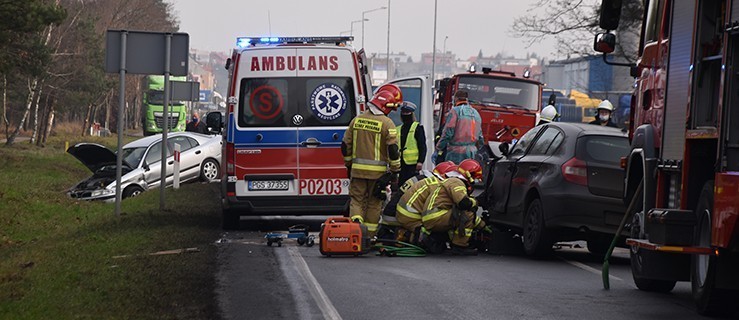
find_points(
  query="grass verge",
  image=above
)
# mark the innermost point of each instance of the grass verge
(57, 255)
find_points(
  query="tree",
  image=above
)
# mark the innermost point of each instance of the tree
(574, 24)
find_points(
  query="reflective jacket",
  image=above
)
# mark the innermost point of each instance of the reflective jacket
(441, 212)
(462, 134)
(413, 144)
(413, 199)
(367, 139)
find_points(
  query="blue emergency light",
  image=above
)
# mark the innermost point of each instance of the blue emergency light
(243, 42)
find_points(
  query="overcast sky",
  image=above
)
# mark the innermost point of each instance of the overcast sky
(471, 25)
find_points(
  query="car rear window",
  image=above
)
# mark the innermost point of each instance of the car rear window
(274, 102)
(603, 149)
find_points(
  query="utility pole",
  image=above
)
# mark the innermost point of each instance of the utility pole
(433, 54)
(388, 41)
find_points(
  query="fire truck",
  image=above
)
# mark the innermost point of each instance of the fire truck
(289, 102)
(682, 175)
(508, 105)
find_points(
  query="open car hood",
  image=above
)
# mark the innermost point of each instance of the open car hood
(93, 156)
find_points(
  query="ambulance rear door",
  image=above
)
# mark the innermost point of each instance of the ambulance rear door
(418, 90)
(329, 103)
(265, 136)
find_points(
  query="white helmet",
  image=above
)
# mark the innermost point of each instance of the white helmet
(606, 105)
(549, 113)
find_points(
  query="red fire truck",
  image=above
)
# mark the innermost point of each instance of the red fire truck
(508, 105)
(684, 131)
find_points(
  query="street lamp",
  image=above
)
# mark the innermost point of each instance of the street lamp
(345, 32)
(363, 20)
(433, 52)
(445, 37)
(351, 31)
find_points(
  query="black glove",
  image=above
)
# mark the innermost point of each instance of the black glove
(381, 184)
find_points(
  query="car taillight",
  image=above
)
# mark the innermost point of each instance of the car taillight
(575, 171)
(229, 158)
(623, 163)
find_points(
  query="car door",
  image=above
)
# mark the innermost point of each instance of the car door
(529, 169)
(504, 171)
(190, 156)
(418, 90)
(153, 169)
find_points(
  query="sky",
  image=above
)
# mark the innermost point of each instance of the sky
(470, 25)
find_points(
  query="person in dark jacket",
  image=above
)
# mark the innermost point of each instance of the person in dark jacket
(195, 125)
(603, 118)
(412, 143)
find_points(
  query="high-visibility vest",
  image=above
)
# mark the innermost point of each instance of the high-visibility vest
(410, 151)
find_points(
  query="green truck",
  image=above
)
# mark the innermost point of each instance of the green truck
(153, 107)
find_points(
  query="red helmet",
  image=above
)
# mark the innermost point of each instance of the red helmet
(470, 169)
(444, 167)
(387, 98)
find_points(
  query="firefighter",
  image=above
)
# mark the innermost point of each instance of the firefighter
(370, 148)
(412, 143)
(410, 205)
(452, 209)
(462, 133)
(388, 221)
(605, 109)
(548, 114)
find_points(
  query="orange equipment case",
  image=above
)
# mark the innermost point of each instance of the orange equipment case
(341, 236)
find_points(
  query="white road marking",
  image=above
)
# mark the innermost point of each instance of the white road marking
(588, 268)
(324, 303)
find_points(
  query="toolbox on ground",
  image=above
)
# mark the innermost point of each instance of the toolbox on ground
(341, 236)
(671, 227)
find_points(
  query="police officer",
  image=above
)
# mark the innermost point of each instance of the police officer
(451, 208)
(412, 142)
(370, 148)
(603, 118)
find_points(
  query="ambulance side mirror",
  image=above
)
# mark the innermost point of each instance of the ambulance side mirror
(214, 122)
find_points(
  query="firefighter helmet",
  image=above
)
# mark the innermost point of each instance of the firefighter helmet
(549, 114)
(606, 105)
(387, 98)
(444, 167)
(471, 170)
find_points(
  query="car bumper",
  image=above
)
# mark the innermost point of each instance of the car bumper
(88, 196)
(575, 207)
(290, 205)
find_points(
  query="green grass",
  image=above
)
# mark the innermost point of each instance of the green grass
(56, 254)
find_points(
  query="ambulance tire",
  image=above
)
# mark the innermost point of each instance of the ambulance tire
(209, 170)
(537, 239)
(709, 300)
(231, 219)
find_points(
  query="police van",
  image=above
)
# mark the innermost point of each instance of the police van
(289, 102)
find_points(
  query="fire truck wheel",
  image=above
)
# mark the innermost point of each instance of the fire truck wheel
(704, 269)
(638, 260)
(537, 240)
(231, 219)
(209, 170)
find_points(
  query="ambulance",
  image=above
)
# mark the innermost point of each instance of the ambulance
(289, 102)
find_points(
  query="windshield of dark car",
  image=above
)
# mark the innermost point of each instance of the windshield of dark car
(132, 156)
(503, 92)
(603, 149)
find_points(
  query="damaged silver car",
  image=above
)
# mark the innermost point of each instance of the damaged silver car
(200, 157)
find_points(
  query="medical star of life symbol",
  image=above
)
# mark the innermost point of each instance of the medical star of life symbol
(328, 102)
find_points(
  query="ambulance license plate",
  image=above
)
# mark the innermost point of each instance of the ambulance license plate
(268, 185)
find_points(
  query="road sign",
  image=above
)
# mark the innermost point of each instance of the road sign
(145, 52)
(185, 91)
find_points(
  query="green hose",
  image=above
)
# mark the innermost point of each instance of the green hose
(390, 248)
(606, 264)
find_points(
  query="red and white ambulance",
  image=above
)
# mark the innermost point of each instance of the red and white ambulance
(289, 103)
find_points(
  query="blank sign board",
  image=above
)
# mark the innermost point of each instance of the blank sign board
(185, 91)
(145, 52)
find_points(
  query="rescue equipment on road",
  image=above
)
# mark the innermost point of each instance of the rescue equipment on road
(341, 236)
(298, 232)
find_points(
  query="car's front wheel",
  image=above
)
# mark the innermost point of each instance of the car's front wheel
(537, 240)
(132, 191)
(209, 170)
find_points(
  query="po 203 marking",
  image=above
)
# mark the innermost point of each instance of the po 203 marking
(327, 187)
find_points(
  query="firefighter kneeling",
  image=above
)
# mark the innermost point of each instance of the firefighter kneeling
(448, 212)
(369, 148)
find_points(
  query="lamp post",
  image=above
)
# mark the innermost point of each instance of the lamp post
(351, 30)
(433, 53)
(345, 32)
(363, 20)
(387, 62)
(445, 37)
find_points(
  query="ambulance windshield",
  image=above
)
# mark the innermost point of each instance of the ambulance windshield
(291, 102)
(495, 92)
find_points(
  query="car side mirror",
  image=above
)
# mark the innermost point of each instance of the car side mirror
(503, 148)
(604, 42)
(214, 121)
